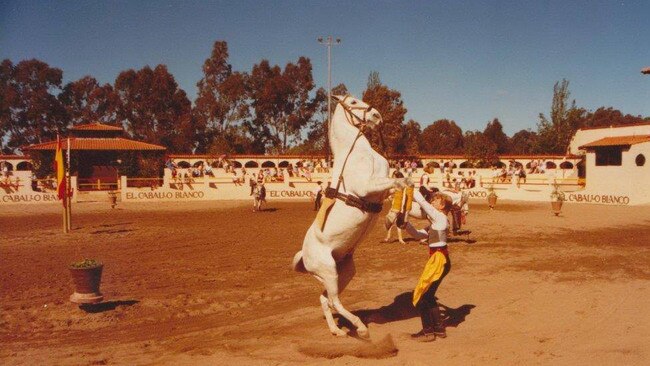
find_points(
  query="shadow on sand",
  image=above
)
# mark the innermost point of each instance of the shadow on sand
(402, 308)
(106, 306)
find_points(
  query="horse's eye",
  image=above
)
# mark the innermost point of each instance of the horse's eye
(354, 102)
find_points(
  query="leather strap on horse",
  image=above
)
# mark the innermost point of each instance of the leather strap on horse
(347, 198)
(353, 201)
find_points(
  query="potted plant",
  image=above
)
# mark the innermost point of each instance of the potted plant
(86, 275)
(491, 197)
(557, 197)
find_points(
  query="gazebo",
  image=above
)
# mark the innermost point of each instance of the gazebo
(96, 150)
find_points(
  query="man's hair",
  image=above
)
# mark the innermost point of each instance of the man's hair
(445, 199)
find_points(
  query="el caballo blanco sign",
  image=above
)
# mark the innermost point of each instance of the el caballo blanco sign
(163, 196)
(598, 198)
(29, 198)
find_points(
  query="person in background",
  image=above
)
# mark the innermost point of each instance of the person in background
(318, 195)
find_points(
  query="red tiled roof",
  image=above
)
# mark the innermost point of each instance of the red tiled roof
(617, 141)
(96, 127)
(79, 143)
(4, 157)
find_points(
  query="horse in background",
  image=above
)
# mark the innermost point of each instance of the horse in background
(259, 197)
(360, 184)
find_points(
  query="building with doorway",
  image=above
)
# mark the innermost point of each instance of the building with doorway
(97, 153)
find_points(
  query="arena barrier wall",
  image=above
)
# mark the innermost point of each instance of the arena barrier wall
(538, 187)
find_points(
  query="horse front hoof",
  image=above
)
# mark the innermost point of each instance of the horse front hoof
(363, 333)
(339, 333)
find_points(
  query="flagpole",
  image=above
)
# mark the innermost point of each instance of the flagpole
(58, 159)
(68, 192)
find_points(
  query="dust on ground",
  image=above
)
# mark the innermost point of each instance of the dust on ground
(203, 283)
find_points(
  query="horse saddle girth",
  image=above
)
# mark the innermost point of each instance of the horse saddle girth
(354, 201)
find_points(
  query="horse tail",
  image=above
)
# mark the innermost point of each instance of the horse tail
(298, 265)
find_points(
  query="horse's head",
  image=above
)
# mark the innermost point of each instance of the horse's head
(358, 113)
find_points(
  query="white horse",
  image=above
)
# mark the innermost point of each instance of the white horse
(360, 183)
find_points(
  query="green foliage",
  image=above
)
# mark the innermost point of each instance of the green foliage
(442, 137)
(480, 151)
(86, 263)
(494, 132)
(389, 103)
(557, 194)
(30, 113)
(554, 135)
(154, 109)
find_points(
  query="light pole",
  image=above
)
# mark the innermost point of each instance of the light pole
(329, 42)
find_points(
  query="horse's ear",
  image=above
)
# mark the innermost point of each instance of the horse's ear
(338, 98)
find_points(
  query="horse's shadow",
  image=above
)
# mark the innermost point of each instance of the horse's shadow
(402, 308)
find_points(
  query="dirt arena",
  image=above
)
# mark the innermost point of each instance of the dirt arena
(209, 284)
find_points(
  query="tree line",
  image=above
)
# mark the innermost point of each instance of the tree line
(268, 109)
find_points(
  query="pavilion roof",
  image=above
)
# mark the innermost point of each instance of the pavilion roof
(617, 141)
(95, 127)
(84, 143)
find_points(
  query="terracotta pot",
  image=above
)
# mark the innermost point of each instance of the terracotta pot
(492, 200)
(557, 207)
(86, 281)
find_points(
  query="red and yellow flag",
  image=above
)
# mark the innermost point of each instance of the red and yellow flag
(60, 171)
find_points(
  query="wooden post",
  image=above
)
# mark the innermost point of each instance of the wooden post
(68, 201)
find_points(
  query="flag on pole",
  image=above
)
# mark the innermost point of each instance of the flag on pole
(60, 171)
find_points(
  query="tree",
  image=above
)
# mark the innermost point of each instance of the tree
(409, 144)
(480, 150)
(220, 107)
(494, 132)
(554, 135)
(523, 142)
(154, 109)
(85, 101)
(29, 112)
(389, 103)
(442, 137)
(604, 117)
(281, 102)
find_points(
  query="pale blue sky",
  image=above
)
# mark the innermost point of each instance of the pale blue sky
(468, 61)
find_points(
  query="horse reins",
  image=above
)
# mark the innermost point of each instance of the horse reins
(334, 192)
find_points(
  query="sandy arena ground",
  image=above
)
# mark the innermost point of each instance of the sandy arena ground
(209, 284)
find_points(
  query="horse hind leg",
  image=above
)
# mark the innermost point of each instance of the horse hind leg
(333, 287)
(326, 305)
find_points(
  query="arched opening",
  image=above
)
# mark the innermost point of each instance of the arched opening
(6, 164)
(450, 164)
(529, 164)
(433, 164)
(25, 165)
(235, 164)
(419, 163)
(640, 160)
(466, 164)
(183, 164)
(566, 165)
(499, 164)
(251, 164)
(198, 164)
(283, 164)
(268, 164)
(550, 165)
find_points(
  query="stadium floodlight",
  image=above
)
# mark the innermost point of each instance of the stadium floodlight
(329, 42)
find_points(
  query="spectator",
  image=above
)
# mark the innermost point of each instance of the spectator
(318, 195)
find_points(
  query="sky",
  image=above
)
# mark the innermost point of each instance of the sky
(468, 61)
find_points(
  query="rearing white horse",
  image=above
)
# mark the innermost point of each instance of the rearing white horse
(360, 176)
